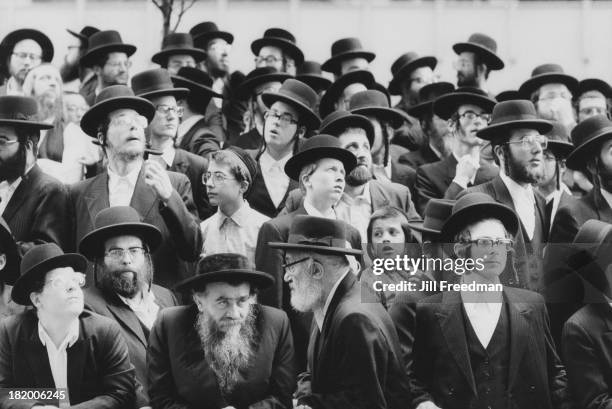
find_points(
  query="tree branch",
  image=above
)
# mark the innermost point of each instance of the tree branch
(185, 5)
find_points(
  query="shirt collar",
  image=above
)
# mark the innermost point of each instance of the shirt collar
(67, 342)
(267, 162)
(517, 191)
(240, 216)
(363, 197)
(320, 314)
(312, 211)
(132, 177)
(146, 298)
(168, 155)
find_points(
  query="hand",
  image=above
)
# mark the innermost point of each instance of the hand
(467, 166)
(427, 405)
(158, 179)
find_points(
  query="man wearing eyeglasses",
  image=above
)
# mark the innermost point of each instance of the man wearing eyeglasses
(120, 248)
(485, 349)
(467, 110)
(278, 49)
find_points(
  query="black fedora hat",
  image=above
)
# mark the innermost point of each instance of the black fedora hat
(403, 67)
(318, 234)
(282, 39)
(547, 74)
(427, 95)
(298, 95)
(559, 142)
(310, 74)
(8, 247)
(513, 114)
(343, 49)
(484, 46)
(508, 95)
(110, 99)
(594, 84)
(446, 105)
(104, 42)
(156, 83)
(319, 147)
(20, 112)
(376, 104)
(476, 206)
(196, 81)
(336, 122)
(587, 136)
(435, 215)
(364, 77)
(177, 43)
(84, 34)
(37, 262)
(12, 38)
(118, 221)
(203, 32)
(257, 77)
(226, 267)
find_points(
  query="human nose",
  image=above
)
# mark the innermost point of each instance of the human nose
(233, 311)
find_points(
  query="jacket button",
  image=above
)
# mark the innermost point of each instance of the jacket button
(532, 388)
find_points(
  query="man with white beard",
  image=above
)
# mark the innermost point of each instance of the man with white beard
(225, 350)
(354, 358)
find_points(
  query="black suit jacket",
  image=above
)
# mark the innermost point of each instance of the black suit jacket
(355, 360)
(420, 157)
(200, 139)
(111, 306)
(181, 235)
(180, 376)
(38, 211)
(442, 369)
(99, 371)
(400, 172)
(249, 140)
(194, 166)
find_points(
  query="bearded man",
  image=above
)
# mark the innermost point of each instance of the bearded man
(120, 247)
(225, 350)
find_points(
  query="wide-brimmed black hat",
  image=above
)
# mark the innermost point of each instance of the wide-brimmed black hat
(20, 112)
(118, 221)
(446, 105)
(110, 99)
(484, 46)
(364, 77)
(336, 122)
(177, 43)
(310, 74)
(376, 104)
(12, 38)
(594, 84)
(226, 267)
(547, 74)
(257, 77)
(202, 33)
(477, 206)
(344, 49)
(37, 262)
(319, 147)
(84, 34)
(403, 67)
(427, 95)
(196, 81)
(282, 39)
(436, 213)
(518, 113)
(319, 235)
(587, 137)
(104, 42)
(156, 83)
(300, 96)
(508, 95)
(8, 247)
(559, 142)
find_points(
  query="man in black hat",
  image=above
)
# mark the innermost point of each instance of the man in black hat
(9, 270)
(177, 52)
(310, 73)
(56, 345)
(109, 57)
(20, 51)
(163, 198)
(32, 203)
(477, 57)
(73, 73)
(467, 111)
(354, 358)
(592, 98)
(347, 54)
(476, 341)
(120, 247)
(338, 95)
(225, 350)
(278, 49)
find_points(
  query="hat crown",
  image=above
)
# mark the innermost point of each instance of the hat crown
(346, 45)
(309, 68)
(402, 61)
(484, 41)
(471, 199)
(18, 107)
(196, 75)
(432, 91)
(367, 99)
(88, 31)
(318, 231)
(177, 40)
(114, 91)
(280, 33)
(298, 90)
(545, 69)
(38, 254)
(116, 215)
(222, 262)
(436, 213)
(106, 37)
(258, 72)
(594, 84)
(590, 128)
(203, 28)
(151, 80)
(333, 117)
(558, 133)
(514, 110)
(320, 141)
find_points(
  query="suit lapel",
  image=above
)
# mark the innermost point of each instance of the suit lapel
(519, 330)
(97, 196)
(378, 195)
(126, 317)
(37, 358)
(180, 163)
(449, 168)
(77, 359)
(23, 192)
(601, 205)
(143, 198)
(502, 194)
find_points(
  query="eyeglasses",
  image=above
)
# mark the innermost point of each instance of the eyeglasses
(460, 64)
(120, 64)
(217, 177)
(6, 142)
(129, 120)
(293, 263)
(77, 279)
(529, 140)
(284, 119)
(268, 59)
(118, 254)
(165, 109)
(486, 243)
(31, 56)
(555, 95)
(471, 116)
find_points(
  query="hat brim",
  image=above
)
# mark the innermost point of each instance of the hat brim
(14, 37)
(495, 131)
(178, 93)
(8, 246)
(576, 160)
(594, 84)
(316, 249)
(420, 110)
(26, 124)
(258, 279)
(560, 149)
(201, 40)
(459, 220)
(92, 244)
(290, 48)
(246, 87)
(194, 87)
(91, 119)
(307, 115)
(296, 163)
(161, 57)
(92, 54)
(77, 35)
(333, 64)
(316, 82)
(326, 106)
(405, 70)
(533, 83)
(446, 105)
(419, 226)
(389, 114)
(357, 121)
(23, 285)
(492, 60)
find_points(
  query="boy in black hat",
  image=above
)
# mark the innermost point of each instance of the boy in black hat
(477, 57)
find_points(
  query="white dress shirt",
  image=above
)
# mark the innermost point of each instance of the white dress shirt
(185, 126)
(319, 315)
(121, 188)
(168, 155)
(461, 180)
(484, 317)
(273, 173)
(524, 202)
(607, 195)
(144, 306)
(312, 211)
(7, 190)
(356, 211)
(556, 198)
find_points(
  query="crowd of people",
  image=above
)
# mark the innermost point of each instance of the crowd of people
(193, 237)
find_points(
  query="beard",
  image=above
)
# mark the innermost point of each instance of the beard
(359, 176)
(305, 294)
(467, 80)
(125, 282)
(523, 174)
(49, 105)
(228, 351)
(69, 72)
(14, 166)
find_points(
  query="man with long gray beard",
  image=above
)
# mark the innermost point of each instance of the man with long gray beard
(225, 350)
(120, 247)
